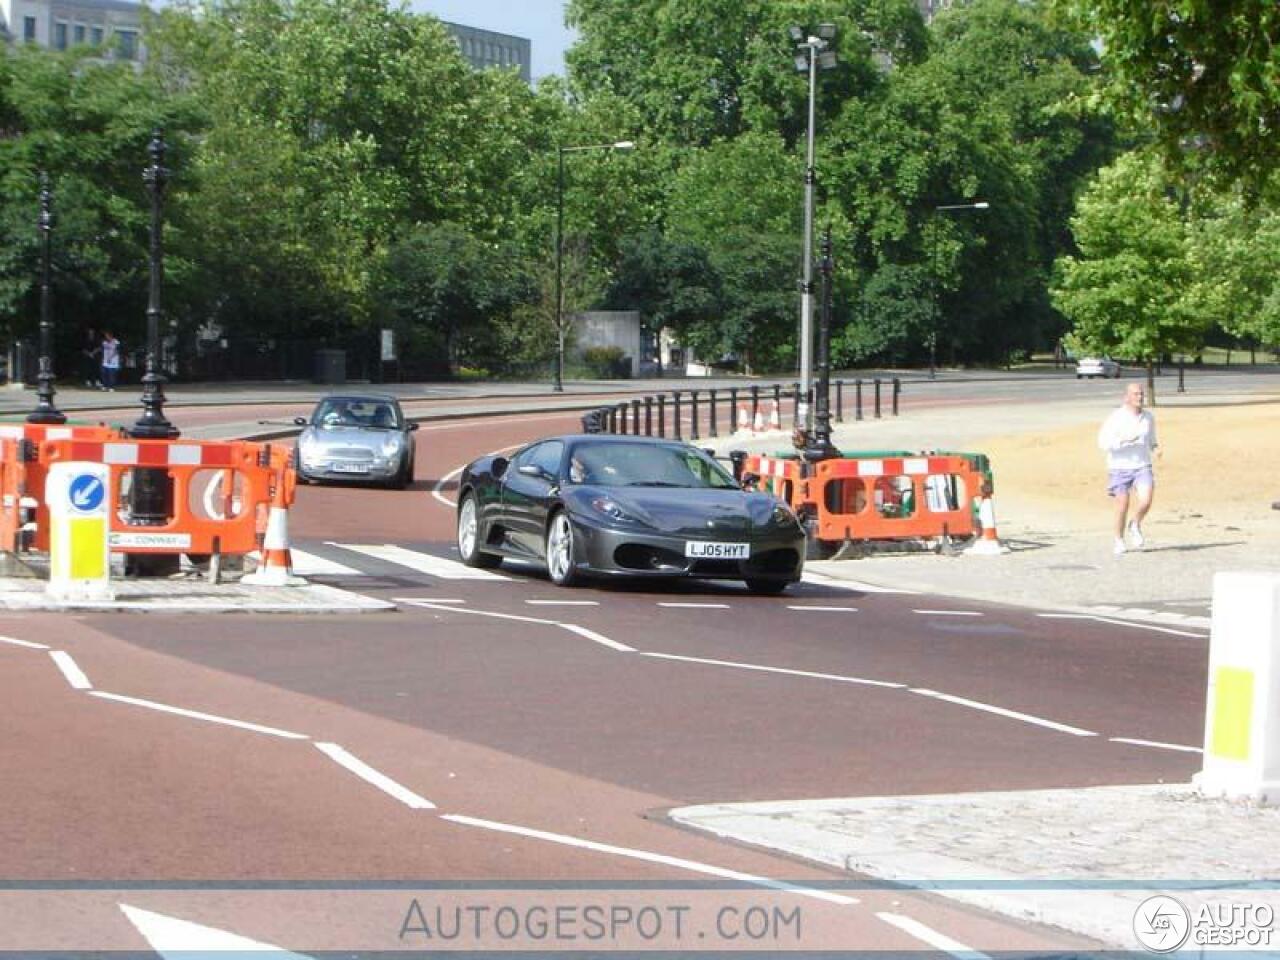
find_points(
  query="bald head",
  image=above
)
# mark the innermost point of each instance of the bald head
(1135, 395)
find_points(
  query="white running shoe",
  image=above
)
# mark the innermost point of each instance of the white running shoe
(1135, 535)
(1120, 547)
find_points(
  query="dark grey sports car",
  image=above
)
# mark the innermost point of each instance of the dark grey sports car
(625, 506)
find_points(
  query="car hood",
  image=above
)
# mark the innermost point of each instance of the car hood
(347, 436)
(686, 511)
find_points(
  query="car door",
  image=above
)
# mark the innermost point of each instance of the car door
(528, 493)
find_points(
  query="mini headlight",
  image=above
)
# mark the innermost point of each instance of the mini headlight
(612, 510)
(391, 446)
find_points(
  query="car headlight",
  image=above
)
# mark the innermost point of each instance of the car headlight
(307, 445)
(783, 516)
(611, 510)
(391, 446)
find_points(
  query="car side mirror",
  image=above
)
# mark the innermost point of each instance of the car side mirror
(499, 466)
(300, 421)
(749, 481)
(413, 425)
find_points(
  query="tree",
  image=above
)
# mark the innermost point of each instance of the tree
(1126, 291)
(1195, 72)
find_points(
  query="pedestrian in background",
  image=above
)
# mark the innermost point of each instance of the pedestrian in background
(1128, 436)
(89, 358)
(110, 356)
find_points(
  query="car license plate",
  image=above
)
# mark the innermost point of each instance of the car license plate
(350, 468)
(706, 550)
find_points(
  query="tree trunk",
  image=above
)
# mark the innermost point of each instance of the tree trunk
(1151, 383)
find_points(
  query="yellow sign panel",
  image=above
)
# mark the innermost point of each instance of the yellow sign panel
(88, 538)
(1232, 713)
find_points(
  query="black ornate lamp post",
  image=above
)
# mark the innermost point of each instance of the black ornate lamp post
(45, 411)
(151, 494)
(620, 145)
(819, 446)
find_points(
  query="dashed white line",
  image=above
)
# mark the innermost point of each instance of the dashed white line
(782, 670)
(23, 643)
(693, 866)
(197, 715)
(818, 609)
(1157, 744)
(598, 638)
(695, 606)
(1122, 623)
(378, 779)
(949, 613)
(71, 670)
(563, 603)
(1002, 712)
(932, 937)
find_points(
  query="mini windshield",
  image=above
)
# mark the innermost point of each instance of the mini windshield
(608, 464)
(355, 412)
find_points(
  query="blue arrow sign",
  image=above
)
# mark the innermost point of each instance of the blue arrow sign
(86, 492)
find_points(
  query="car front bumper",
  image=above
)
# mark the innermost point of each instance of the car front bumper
(618, 552)
(333, 470)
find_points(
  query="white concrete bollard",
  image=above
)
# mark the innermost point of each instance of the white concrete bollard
(79, 499)
(1242, 712)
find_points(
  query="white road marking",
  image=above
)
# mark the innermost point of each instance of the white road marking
(23, 643)
(447, 600)
(426, 563)
(949, 613)
(932, 937)
(380, 780)
(310, 565)
(563, 603)
(695, 606)
(822, 580)
(598, 638)
(177, 939)
(824, 609)
(196, 715)
(430, 604)
(1122, 623)
(645, 855)
(1157, 744)
(1002, 712)
(782, 670)
(75, 676)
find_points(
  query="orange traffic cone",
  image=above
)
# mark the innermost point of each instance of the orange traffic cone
(757, 425)
(775, 417)
(744, 418)
(988, 545)
(276, 566)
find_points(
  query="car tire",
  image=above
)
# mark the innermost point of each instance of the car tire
(469, 536)
(560, 550)
(1079, 376)
(402, 477)
(766, 588)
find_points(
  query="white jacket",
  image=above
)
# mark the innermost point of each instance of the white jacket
(1128, 439)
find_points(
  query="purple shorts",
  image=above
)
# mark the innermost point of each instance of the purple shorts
(1122, 481)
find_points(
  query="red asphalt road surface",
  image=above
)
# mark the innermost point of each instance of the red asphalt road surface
(530, 724)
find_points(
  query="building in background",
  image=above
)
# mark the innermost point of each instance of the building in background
(115, 25)
(485, 48)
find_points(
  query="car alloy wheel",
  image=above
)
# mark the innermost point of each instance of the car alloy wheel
(560, 550)
(469, 536)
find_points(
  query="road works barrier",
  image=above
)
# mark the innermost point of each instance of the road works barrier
(883, 495)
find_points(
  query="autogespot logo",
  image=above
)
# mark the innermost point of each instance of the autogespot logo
(1161, 924)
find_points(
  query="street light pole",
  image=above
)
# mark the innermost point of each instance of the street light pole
(937, 281)
(819, 445)
(813, 54)
(151, 492)
(45, 411)
(620, 145)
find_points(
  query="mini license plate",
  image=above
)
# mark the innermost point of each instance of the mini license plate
(350, 468)
(705, 550)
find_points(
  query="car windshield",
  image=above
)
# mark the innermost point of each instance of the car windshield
(646, 465)
(356, 412)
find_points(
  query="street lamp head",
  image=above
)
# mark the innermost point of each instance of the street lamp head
(981, 205)
(796, 34)
(827, 60)
(802, 61)
(624, 145)
(827, 31)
